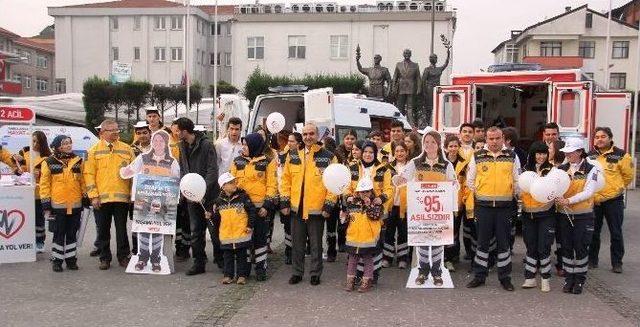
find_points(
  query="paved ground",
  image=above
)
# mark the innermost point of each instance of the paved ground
(32, 295)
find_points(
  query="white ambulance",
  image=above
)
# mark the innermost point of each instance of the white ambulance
(529, 99)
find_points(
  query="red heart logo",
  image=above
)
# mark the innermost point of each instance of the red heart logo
(8, 222)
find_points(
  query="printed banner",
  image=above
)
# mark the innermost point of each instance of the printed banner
(430, 208)
(155, 204)
(120, 72)
(17, 224)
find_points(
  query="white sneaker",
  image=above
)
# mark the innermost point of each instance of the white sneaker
(39, 247)
(402, 265)
(385, 264)
(529, 283)
(544, 285)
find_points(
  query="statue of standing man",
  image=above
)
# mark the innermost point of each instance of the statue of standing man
(406, 84)
(431, 79)
(377, 75)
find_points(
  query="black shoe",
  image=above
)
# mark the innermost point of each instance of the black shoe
(617, 269)
(261, 277)
(72, 266)
(182, 256)
(195, 270)
(506, 284)
(220, 264)
(568, 287)
(593, 265)
(475, 283)
(315, 280)
(287, 260)
(57, 267)
(331, 258)
(468, 256)
(95, 253)
(577, 288)
(295, 279)
(342, 248)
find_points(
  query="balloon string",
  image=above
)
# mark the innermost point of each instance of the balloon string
(568, 216)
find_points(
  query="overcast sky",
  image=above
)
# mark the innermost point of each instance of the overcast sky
(482, 24)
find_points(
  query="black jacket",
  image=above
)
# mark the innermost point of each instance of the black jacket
(200, 158)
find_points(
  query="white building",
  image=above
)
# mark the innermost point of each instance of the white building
(149, 34)
(298, 39)
(309, 42)
(577, 39)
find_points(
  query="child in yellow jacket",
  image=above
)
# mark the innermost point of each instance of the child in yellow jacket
(363, 232)
(233, 218)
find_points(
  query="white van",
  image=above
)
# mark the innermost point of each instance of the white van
(335, 115)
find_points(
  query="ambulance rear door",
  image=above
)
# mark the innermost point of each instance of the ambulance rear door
(614, 110)
(452, 105)
(571, 107)
(319, 109)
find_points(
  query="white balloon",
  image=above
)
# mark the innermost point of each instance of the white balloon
(336, 178)
(543, 190)
(275, 122)
(560, 179)
(193, 187)
(600, 181)
(525, 179)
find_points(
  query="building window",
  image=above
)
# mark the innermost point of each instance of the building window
(136, 53)
(339, 46)
(160, 54)
(587, 49)
(176, 54)
(227, 59)
(198, 25)
(228, 29)
(620, 49)
(114, 23)
(297, 48)
(255, 47)
(618, 81)
(41, 84)
(512, 52)
(176, 23)
(159, 23)
(27, 55)
(202, 55)
(60, 86)
(551, 49)
(42, 62)
(17, 77)
(214, 30)
(136, 23)
(198, 56)
(211, 59)
(115, 53)
(27, 82)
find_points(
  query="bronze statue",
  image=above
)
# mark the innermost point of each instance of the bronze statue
(431, 78)
(377, 75)
(406, 84)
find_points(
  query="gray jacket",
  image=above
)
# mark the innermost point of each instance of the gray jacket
(201, 159)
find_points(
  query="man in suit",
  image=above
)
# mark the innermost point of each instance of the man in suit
(406, 84)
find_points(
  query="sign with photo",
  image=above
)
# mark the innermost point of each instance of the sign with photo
(17, 224)
(155, 204)
(430, 207)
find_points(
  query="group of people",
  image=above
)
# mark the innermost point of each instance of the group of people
(252, 179)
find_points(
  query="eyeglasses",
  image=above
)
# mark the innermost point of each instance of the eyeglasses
(111, 130)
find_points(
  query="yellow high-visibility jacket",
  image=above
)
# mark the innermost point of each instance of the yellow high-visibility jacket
(37, 165)
(382, 187)
(233, 215)
(494, 177)
(302, 173)
(7, 158)
(465, 195)
(62, 185)
(529, 204)
(102, 172)
(578, 181)
(400, 192)
(174, 145)
(618, 172)
(258, 177)
(362, 232)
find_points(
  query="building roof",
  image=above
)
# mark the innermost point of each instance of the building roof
(8, 33)
(129, 4)
(222, 10)
(617, 11)
(557, 17)
(29, 43)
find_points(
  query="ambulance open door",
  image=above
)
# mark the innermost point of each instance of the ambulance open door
(319, 109)
(614, 110)
(452, 108)
(571, 107)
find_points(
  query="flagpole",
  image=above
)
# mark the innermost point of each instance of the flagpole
(215, 62)
(607, 51)
(186, 57)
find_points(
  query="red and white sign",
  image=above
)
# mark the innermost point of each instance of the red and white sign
(10, 87)
(430, 207)
(17, 115)
(17, 225)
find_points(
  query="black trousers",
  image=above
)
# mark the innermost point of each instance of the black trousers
(235, 263)
(576, 238)
(288, 241)
(259, 244)
(613, 211)
(312, 228)
(150, 246)
(118, 212)
(469, 234)
(96, 215)
(538, 232)
(396, 246)
(183, 231)
(40, 231)
(332, 231)
(452, 252)
(199, 226)
(493, 222)
(64, 243)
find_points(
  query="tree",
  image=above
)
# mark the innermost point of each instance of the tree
(95, 98)
(195, 97)
(223, 88)
(116, 99)
(160, 96)
(136, 95)
(177, 95)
